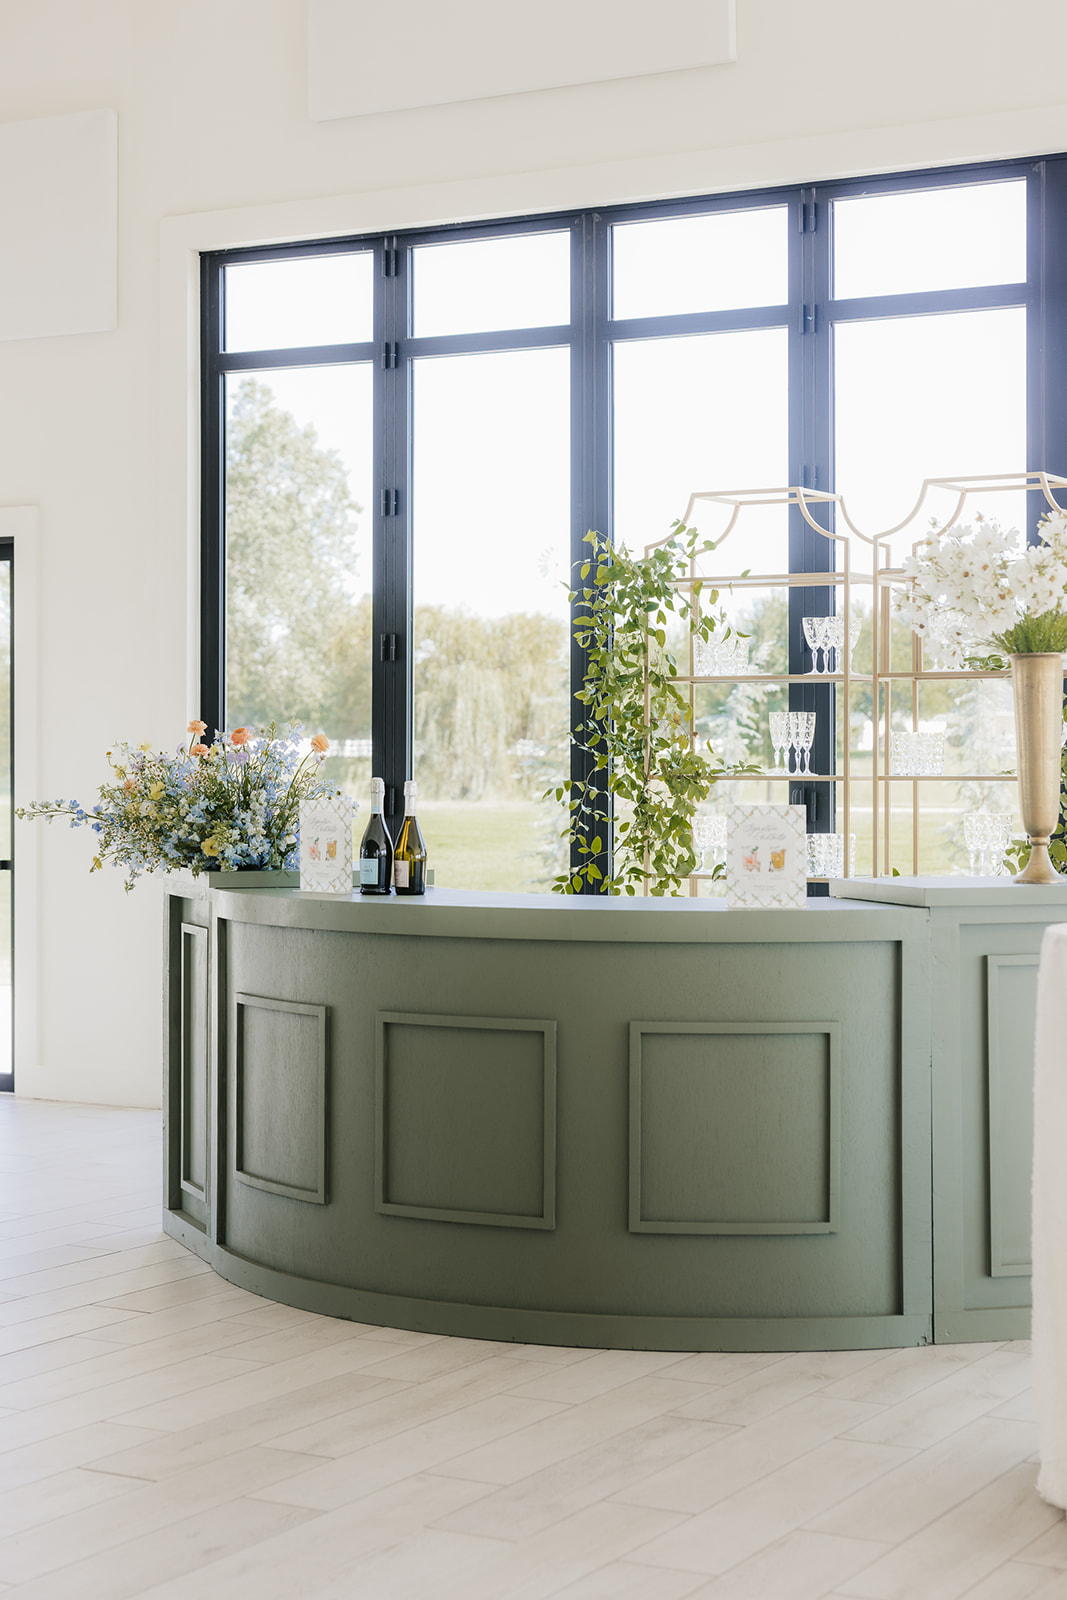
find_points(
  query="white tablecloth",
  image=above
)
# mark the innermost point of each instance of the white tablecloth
(1050, 1216)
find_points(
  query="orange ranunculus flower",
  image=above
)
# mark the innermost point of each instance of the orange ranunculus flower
(320, 743)
(199, 750)
(197, 727)
(240, 735)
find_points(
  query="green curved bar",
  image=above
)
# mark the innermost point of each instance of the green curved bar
(602, 1123)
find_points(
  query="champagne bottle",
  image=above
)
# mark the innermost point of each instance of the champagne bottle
(376, 850)
(409, 858)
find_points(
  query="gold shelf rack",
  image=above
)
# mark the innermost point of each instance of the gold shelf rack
(859, 561)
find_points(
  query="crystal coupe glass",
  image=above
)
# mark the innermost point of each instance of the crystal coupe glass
(778, 722)
(817, 633)
(801, 737)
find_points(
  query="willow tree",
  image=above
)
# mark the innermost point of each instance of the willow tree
(297, 636)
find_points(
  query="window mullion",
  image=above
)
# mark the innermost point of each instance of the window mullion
(1046, 325)
(391, 719)
(591, 465)
(810, 453)
(212, 499)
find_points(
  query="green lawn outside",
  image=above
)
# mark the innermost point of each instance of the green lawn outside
(487, 845)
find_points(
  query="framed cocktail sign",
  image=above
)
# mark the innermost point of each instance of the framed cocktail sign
(326, 846)
(766, 856)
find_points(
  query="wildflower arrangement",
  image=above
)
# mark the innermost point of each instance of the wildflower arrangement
(982, 586)
(229, 804)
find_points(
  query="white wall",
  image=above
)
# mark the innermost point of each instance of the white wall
(95, 429)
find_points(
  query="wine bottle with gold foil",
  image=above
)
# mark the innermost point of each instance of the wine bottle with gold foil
(409, 854)
(376, 851)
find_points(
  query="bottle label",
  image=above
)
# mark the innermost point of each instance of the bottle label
(400, 873)
(368, 869)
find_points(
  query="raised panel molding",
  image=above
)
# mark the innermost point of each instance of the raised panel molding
(1010, 1004)
(278, 1109)
(735, 1127)
(365, 58)
(465, 1113)
(59, 205)
(195, 1056)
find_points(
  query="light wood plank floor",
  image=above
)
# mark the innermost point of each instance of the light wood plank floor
(163, 1434)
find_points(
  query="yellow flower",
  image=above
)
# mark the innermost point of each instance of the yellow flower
(210, 847)
(145, 746)
(97, 865)
(155, 791)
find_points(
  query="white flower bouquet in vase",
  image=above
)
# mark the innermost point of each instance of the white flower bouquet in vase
(979, 593)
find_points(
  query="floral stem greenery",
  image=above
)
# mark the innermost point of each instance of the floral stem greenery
(1043, 634)
(637, 732)
(229, 805)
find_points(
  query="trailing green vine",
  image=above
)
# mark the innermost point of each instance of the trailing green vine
(637, 731)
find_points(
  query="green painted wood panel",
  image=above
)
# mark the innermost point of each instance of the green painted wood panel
(279, 1105)
(985, 950)
(465, 1117)
(187, 1118)
(1011, 988)
(195, 1055)
(734, 1127)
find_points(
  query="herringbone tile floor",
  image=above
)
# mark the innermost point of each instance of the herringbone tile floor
(163, 1434)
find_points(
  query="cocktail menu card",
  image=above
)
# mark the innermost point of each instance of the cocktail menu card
(326, 846)
(766, 856)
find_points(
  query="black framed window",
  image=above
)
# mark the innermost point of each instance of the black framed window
(406, 438)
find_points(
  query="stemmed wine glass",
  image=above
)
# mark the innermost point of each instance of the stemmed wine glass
(817, 633)
(709, 839)
(801, 737)
(1001, 830)
(975, 834)
(779, 726)
(836, 638)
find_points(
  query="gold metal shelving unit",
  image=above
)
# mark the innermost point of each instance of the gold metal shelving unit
(859, 561)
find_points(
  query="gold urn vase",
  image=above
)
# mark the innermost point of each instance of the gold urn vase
(1037, 685)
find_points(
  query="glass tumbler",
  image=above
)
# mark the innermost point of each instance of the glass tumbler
(721, 658)
(905, 755)
(826, 855)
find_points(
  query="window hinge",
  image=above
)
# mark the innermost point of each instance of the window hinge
(390, 258)
(807, 216)
(807, 319)
(807, 796)
(809, 477)
(387, 647)
(390, 502)
(390, 355)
